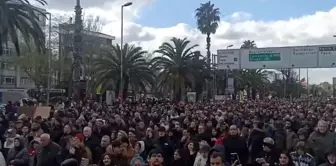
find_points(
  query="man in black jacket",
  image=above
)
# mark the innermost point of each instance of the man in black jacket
(165, 145)
(48, 153)
(100, 150)
(235, 147)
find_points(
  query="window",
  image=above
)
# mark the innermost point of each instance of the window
(25, 80)
(6, 51)
(108, 42)
(7, 80)
(7, 66)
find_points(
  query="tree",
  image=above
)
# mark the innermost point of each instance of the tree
(137, 73)
(290, 84)
(252, 80)
(174, 64)
(208, 18)
(35, 64)
(248, 44)
(20, 16)
(200, 73)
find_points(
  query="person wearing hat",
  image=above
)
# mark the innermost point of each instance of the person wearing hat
(268, 156)
(330, 157)
(156, 157)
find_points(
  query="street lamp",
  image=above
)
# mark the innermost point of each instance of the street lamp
(121, 48)
(49, 59)
(227, 70)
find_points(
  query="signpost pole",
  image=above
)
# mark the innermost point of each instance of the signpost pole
(307, 83)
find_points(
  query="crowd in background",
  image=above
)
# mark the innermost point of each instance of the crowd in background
(155, 132)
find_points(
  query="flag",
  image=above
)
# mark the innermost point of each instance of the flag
(99, 89)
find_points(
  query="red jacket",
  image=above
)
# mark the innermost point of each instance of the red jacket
(220, 140)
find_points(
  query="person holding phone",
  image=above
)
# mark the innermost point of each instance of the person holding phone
(236, 149)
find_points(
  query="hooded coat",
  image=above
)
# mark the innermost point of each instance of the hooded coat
(18, 156)
(220, 149)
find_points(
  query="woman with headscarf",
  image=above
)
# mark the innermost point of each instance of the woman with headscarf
(18, 155)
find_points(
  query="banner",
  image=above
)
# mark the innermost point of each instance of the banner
(219, 97)
(241, 96)
(44, 112)
(191, 96)
(28, 111)
(109, 97)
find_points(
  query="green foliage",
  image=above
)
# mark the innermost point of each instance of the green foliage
(137, 73)
(18, 16)
(175, 65)
(35, 64)
(208, 18)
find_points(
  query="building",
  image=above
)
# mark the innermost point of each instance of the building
(93, 43)
(11, 76)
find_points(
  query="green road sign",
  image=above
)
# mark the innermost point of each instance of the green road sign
(264, 57)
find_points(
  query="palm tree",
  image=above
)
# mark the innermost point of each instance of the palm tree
(200, 73)
(137, 72)
(252, 80)
(207, 22)
(20, 16)
(248, 44)
(174, 64)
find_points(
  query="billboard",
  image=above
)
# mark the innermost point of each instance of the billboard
(327, 56)
(265, 58)
(318, 56)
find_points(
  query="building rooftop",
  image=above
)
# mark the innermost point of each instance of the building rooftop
(67, 28)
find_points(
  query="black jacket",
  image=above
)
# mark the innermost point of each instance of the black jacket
(48, 156)
(236, 144)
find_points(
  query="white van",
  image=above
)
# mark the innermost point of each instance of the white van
(12, 95)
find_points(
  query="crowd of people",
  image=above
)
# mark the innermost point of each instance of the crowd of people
(298, 132)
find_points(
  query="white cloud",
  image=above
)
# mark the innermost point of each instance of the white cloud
(307, 30)
(238, 16)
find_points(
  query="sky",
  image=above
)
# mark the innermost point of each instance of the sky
(270, 23)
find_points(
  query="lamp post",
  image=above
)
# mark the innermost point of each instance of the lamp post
(121, 49)
(49, 60)
(227, 71)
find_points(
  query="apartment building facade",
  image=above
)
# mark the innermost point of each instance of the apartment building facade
(11, 75)
(92, 43)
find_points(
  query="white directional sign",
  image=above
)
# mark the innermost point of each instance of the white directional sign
(228, 59)
(317, 56)
(327, 56)
(270, 58)
(304, 57)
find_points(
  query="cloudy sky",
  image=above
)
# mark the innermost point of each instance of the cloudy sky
(268, 22)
